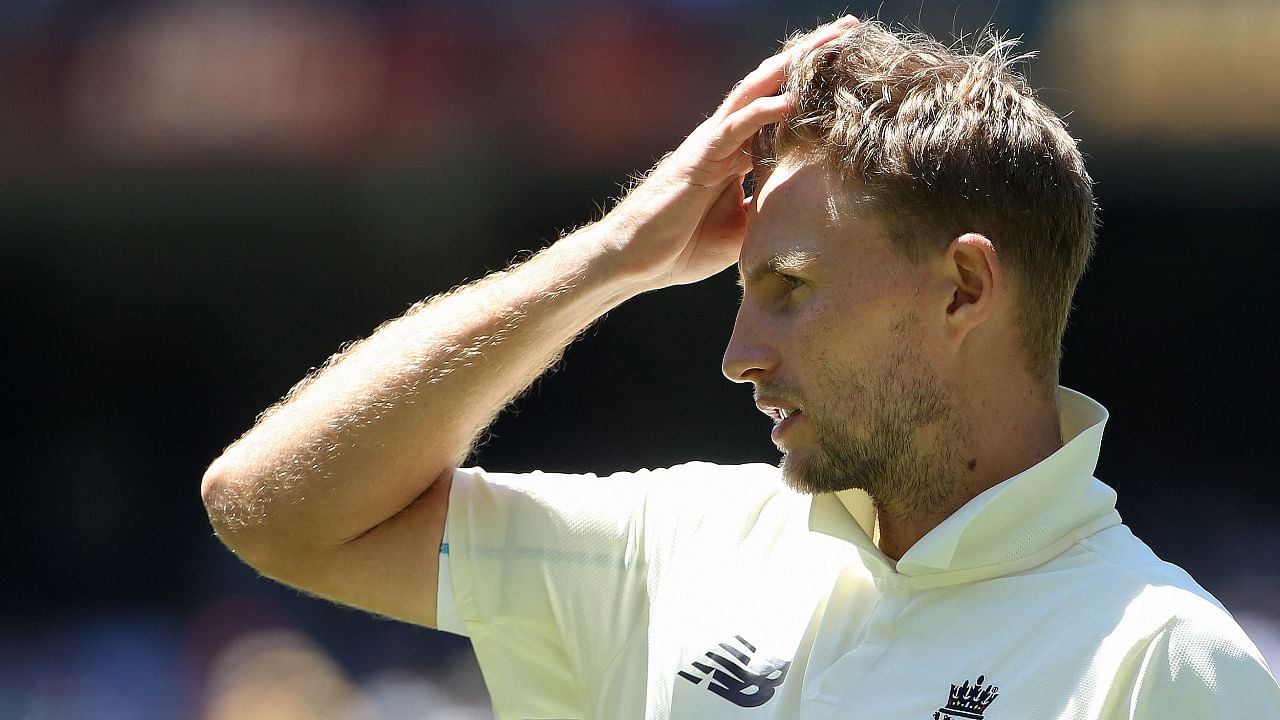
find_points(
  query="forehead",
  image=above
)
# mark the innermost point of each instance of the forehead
(804, 209)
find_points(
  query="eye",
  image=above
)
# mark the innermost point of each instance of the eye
(791, 281)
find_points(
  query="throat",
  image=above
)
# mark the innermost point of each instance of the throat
(897, 533)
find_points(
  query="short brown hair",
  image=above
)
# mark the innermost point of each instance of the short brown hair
(948, 141)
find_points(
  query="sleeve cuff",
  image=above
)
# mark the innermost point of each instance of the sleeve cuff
(447, 616)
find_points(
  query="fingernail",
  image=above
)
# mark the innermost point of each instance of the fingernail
(848, 20)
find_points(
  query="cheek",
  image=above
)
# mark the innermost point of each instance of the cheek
(826, 352)
(811, 332)
(849, 337)
(830, 326)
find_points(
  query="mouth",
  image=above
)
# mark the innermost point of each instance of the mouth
(778, 410)
(783, 422)
(780, 414)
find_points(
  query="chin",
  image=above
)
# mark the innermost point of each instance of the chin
(810, 472)
(794, 475)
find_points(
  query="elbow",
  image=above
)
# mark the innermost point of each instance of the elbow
(220, 493)
(228, 501)
(243, 502)
(212, 485)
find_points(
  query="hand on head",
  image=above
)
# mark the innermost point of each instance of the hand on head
(685, 221)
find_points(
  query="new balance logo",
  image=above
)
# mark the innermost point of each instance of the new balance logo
(738, 679)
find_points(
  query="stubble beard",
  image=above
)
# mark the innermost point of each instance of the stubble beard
(869, 438)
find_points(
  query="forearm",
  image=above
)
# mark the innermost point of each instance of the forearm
(361, 439)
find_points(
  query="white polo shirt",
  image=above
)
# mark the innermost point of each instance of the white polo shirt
(706, 592)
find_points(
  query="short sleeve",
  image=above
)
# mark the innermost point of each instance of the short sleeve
(1206, 668)
(549, 579)
(563, 582)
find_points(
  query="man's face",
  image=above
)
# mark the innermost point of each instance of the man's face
(837, 338)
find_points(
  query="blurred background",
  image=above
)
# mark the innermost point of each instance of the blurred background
(200, 200)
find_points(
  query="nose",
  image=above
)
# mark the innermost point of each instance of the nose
(749, 356)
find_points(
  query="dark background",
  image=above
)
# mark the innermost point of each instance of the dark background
(200, 201)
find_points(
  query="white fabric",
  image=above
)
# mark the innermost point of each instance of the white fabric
(447, 617)
(708, 592)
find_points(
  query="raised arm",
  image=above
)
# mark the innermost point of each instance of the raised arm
(341, 489)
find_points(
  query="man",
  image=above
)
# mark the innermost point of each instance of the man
(932, 544)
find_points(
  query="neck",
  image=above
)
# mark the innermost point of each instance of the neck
(1010, 433)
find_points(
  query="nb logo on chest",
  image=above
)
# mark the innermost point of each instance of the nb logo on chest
(736, 677)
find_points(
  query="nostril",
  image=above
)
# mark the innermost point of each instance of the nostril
(739, 369)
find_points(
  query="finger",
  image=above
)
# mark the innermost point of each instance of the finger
(721, 229)
(734, 131)
(744, 159)
(767, 78)
(729, 202)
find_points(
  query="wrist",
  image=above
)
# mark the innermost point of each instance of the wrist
(608, 268)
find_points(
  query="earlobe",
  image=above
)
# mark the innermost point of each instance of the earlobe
(974, 271)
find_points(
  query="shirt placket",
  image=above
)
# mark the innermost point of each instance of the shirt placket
(831, 687)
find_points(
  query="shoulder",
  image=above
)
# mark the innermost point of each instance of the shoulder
(693, 476)
(694, 495)
(1192, 658)
(1201, 664)
(714, 483)
(728, 494)
(1161, 597)
(1131, 562)
(692, 481)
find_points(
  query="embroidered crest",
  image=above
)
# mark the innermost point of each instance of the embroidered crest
(968, 702)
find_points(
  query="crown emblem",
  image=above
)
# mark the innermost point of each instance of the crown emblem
(968, 701)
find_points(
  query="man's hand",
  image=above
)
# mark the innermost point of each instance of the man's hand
(686, 220)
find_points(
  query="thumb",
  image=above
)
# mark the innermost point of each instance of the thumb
(728, 214)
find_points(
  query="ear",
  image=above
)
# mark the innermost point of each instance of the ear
(973, 269)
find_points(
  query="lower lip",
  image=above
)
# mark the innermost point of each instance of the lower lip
(781, 428)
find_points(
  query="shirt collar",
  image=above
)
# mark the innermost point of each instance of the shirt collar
(1021, 522)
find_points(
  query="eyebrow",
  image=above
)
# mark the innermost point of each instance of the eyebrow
(789, 262)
